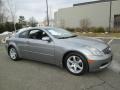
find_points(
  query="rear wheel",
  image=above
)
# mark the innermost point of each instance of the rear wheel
(76, 63)
(13, 53)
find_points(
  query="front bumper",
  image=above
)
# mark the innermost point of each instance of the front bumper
(100, 63)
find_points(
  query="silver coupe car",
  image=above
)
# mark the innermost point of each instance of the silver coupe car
(60, 47)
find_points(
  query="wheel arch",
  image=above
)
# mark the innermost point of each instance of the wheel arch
(13, 45)
(72, 51)
(10, 47)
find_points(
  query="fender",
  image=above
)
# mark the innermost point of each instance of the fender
(13, 44)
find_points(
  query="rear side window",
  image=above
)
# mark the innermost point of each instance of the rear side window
(37, 34)
(23, 34)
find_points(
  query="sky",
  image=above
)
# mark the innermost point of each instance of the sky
(37, 8)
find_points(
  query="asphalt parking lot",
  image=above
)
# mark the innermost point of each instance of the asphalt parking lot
(32, 75)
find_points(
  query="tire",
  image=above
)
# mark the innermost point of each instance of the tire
(13, 54)
(76, 64)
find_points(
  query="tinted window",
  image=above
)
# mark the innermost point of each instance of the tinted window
(23, 34)
(37, 34)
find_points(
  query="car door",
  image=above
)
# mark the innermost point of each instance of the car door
(38, 49)
(21, 42)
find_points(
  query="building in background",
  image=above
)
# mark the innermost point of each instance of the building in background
(95, 13)
(44, 23)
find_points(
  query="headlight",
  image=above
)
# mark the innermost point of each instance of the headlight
(95, 51)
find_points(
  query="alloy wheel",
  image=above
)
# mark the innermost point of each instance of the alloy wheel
(13, 53)
(75, 64)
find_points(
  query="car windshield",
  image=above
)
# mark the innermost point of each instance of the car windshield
(60, 33)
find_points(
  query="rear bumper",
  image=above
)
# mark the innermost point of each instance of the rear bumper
(100, 64)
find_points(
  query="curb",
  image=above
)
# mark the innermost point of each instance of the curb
(108, 37)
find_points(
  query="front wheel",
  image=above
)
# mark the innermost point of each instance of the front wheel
(13, 53)
(76, 63)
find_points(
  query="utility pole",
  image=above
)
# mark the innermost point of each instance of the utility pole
(110, 16)
(47, 13)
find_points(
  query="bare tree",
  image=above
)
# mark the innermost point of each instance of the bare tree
(1, 11)
(45, 23)
(32, 22)
(12, 9)
(0, 6)
(84, 24)
(3, 15)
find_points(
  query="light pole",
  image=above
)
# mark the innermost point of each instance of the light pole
(110, 16)
(47, 13)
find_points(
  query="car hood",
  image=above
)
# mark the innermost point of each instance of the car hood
(87, 41)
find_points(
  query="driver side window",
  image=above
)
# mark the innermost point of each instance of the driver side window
(37, 34)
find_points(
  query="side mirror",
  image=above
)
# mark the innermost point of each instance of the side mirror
(46, 39)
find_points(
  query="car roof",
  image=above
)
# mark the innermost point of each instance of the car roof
(28, 28)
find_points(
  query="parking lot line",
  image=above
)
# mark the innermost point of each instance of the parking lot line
(110, 41)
